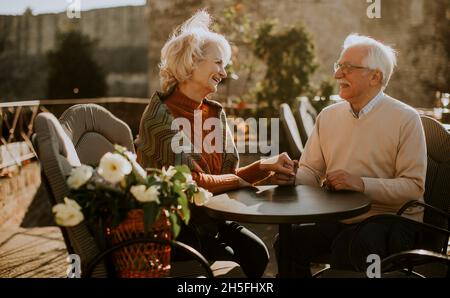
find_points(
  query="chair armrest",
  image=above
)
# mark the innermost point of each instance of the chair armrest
(404, 219)
(413, 203)
(174, 244)
(392, 217)
(412, 258)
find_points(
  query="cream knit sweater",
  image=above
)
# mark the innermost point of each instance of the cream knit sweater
(386, 148)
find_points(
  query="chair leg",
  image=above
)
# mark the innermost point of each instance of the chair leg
(321, 271)
(412, 272)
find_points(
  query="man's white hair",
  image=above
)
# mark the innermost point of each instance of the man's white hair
(379, 57)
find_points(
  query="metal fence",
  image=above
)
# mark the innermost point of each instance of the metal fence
(17, 118)
(16, 125)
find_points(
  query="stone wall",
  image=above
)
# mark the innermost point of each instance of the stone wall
(408, 25)
(130, 40)
(121, 51)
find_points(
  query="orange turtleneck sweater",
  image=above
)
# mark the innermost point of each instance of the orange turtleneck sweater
(182, 106)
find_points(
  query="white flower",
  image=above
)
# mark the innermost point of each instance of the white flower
(188, 178)
(79, 176)
(68, 214)
(138, 191)
(137, 169)
(71, 203)
(151, 194)
(144, 195)
(130, 155)
(169, 173)
(202, 196)
(113, 167)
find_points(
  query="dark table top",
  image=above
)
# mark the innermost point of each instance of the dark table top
(287, 204)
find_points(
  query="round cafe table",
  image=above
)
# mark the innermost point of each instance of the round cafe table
(286, 205)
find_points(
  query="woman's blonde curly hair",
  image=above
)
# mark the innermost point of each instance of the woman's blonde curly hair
(186, 46)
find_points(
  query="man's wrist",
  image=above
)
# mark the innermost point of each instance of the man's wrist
(361, 186)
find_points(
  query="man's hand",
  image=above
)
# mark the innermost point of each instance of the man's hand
(277, 179)
(280, 164)
(342, 180)
(281, 179)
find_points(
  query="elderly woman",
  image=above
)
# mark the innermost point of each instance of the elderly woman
(192, 65)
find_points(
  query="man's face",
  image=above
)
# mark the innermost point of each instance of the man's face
(355, 82)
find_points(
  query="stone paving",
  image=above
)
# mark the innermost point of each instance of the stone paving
(29, 245)
(32, 252)
(41, 252)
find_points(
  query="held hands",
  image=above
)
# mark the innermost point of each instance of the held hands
(282, 166)
(243, 183)
(342, 180)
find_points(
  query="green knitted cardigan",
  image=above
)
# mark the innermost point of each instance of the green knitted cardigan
(155, 137)
(155, 151)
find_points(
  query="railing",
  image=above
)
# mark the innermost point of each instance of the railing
(17, 118)
(16, 122)
(16, 125)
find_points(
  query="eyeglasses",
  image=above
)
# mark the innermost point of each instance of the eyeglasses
(347, 68)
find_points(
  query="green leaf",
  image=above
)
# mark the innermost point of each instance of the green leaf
(175, 226)
(150, 215)
(183, 202)
(178, 177)
(183, 169)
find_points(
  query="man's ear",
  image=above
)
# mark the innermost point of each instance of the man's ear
(376, 78)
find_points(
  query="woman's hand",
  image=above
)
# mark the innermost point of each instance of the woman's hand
(277, 179)
(281, 179)
(243, 183)
(280, 164)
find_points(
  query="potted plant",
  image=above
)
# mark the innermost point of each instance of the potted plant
(121, 200)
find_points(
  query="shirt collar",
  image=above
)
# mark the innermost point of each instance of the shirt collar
(368, 107)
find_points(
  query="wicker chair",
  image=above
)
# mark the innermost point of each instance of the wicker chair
(290, 132)
(305, 116)
(94, 130)
(58, 155)
(436, 222)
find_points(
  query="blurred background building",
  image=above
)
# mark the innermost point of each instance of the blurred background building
(129, 40)
(121, 49)
(418, 29)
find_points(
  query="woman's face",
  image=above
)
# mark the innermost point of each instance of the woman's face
(209, 71)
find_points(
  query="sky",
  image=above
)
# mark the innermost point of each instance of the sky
(17, 7)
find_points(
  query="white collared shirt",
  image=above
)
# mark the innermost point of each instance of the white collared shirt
(368, 107)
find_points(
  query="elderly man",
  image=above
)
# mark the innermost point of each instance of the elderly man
(370, 143)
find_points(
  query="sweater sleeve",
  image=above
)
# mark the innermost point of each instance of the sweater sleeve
(252, 173)
(311, 167)
(410, 169)
(216, 183)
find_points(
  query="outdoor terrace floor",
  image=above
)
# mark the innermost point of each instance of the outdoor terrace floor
(40, 252)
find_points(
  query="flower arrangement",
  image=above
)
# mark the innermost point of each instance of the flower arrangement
(120, 184)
